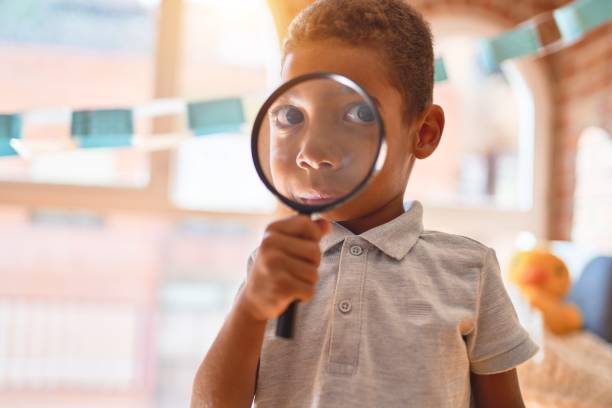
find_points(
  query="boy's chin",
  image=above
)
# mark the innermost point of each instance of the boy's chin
(348, 211)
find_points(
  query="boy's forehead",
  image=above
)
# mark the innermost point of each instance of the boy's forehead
(363, 65)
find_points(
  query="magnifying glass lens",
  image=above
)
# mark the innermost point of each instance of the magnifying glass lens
(317, 142)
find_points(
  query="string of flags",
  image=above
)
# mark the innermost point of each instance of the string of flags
(114, 128)
(544, 33)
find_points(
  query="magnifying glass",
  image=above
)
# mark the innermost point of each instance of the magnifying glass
(316, 142)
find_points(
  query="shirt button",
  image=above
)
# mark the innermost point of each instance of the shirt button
(344, 306)
(356, 250)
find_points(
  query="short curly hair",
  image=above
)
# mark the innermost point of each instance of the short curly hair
(392, 27)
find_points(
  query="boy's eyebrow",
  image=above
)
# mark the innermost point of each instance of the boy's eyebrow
(376, 102)
(352, 92)
(288, 98)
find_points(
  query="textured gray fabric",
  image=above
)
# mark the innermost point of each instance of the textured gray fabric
(399, 319)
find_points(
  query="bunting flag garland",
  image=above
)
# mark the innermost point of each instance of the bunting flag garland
(10, 128)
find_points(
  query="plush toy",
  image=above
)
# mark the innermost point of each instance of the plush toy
(544, 280)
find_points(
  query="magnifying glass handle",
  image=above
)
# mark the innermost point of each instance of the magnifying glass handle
(285, 324)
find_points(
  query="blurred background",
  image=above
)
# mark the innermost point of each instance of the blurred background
(117, 266)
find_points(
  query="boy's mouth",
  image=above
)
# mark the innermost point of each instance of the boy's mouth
(316, 197)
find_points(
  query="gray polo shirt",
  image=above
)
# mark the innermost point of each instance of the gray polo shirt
(399, 319)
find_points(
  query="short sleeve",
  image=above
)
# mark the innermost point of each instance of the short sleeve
(498, 342)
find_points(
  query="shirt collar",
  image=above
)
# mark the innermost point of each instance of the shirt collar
(395, 238)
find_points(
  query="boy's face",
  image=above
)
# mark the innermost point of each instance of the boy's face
(321, 141)
(366, 67)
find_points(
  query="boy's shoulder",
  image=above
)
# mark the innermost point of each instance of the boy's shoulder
(454, 246)
(453, 239)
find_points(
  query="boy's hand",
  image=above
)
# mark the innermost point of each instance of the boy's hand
(285, 267)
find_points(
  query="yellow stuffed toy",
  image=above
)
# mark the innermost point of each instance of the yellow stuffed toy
(544, 279)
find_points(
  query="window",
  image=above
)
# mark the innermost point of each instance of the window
(75, 54)
(230, 50)
(593, 195)
(485, 153)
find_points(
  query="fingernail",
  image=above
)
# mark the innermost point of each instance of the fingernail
(324, 225)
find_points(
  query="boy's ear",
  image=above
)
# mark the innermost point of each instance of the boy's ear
(430, 131)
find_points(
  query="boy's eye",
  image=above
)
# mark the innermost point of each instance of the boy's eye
(360, 113)
(287, 116)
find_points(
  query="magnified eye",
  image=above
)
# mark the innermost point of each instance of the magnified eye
(287, 116)
(360, 113)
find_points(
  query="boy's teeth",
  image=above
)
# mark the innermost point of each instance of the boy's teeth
(314, 196)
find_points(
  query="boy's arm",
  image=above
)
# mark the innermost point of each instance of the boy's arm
(226, 377)
(285, 269)
(497, 390)
(498, 342)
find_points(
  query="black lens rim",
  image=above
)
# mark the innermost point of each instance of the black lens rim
(261, 116)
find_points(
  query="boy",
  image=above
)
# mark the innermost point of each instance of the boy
(390, 315)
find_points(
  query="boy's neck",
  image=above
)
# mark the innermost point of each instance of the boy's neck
(382, 215)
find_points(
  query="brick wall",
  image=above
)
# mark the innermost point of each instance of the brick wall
(582, 75)
(581, 79)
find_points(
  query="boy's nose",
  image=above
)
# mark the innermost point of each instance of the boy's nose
(312, 162)
(317, 154)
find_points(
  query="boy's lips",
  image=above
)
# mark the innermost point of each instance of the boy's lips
(316, 197)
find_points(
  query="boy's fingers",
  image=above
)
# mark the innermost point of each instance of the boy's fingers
(324, 225)
(302, 270)
(301, 290)
(279, 265)
(298, 226)
(304, 249)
